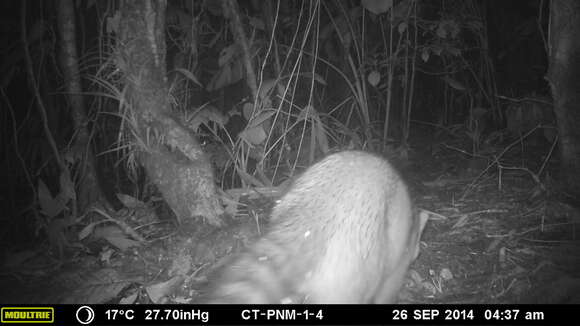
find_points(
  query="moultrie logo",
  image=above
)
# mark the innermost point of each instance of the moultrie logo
(27, 315)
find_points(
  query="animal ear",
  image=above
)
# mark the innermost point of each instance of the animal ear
(423, 218)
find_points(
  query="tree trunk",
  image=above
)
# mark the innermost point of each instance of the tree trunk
(172, 157)
(564, 79)
(88, 189)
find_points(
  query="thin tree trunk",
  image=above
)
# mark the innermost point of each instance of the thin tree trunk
(172, 157)
(88, 189)
(564, 78)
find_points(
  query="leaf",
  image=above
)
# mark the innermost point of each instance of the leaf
(49, 206)
(181, 300)
(122, 242)
(157, 291)
(346, 39)
(247, 110)
(116, 237)
(402, 27)
(425, 55)
(374, 78)
(261, 118)
(112, 23)
(44, 197)
(377, 7)
(320, 79)
(446, 274)
(266, 87)
(130, 201)
(130, 299)
(189, 75)
(454, 83)
(255, 135)
(441, 31)
(88, 230)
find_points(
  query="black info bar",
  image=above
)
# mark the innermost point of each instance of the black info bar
(292, 314)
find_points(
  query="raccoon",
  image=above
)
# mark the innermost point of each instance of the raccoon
(344, 232)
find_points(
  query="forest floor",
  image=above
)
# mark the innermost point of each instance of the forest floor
(499, 232)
